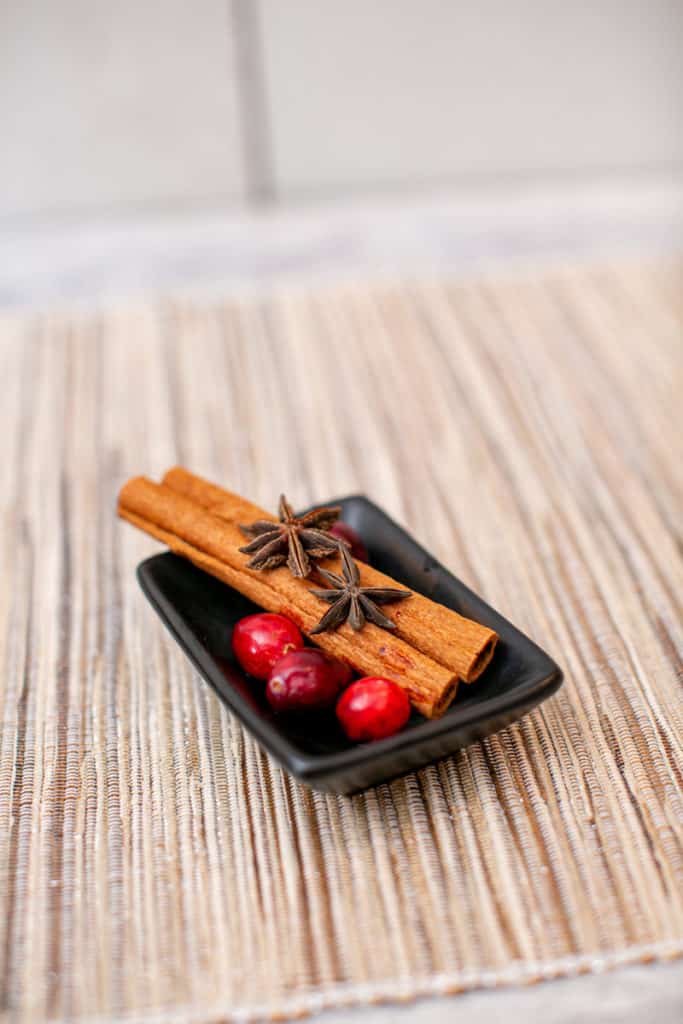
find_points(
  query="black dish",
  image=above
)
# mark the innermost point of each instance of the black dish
(200, 612)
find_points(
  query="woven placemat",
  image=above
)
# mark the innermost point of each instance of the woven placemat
(154, 863)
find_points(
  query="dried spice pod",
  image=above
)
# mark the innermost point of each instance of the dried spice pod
(352, 602)
(296, 541)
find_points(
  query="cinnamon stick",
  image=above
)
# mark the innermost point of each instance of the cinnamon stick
(461, 645)
(212, 544)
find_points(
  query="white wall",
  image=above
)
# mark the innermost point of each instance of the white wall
(155, 104)
(368, 93)
(105, 105)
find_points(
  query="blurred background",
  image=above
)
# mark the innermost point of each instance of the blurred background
(145, 133)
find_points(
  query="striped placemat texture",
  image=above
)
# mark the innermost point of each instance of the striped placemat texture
(154, 863)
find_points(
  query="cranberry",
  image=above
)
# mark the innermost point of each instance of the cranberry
(304, 681)
(262, 639)
(342, 672)
(355, 542)
(372, 708)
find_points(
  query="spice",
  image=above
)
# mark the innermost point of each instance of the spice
(351, 601)
(211, 543)
(296, 540)
(459, 643)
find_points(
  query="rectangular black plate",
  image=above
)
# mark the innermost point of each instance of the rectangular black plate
(200, 613)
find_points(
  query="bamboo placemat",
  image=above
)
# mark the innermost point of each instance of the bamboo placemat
(154, 864)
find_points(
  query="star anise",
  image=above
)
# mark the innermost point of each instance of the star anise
(352, 602)
(296, 540)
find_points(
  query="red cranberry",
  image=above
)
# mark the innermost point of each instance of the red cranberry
(372, 708)
(262, 639)
(355, 542)
(342, 672)
(303, 681)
